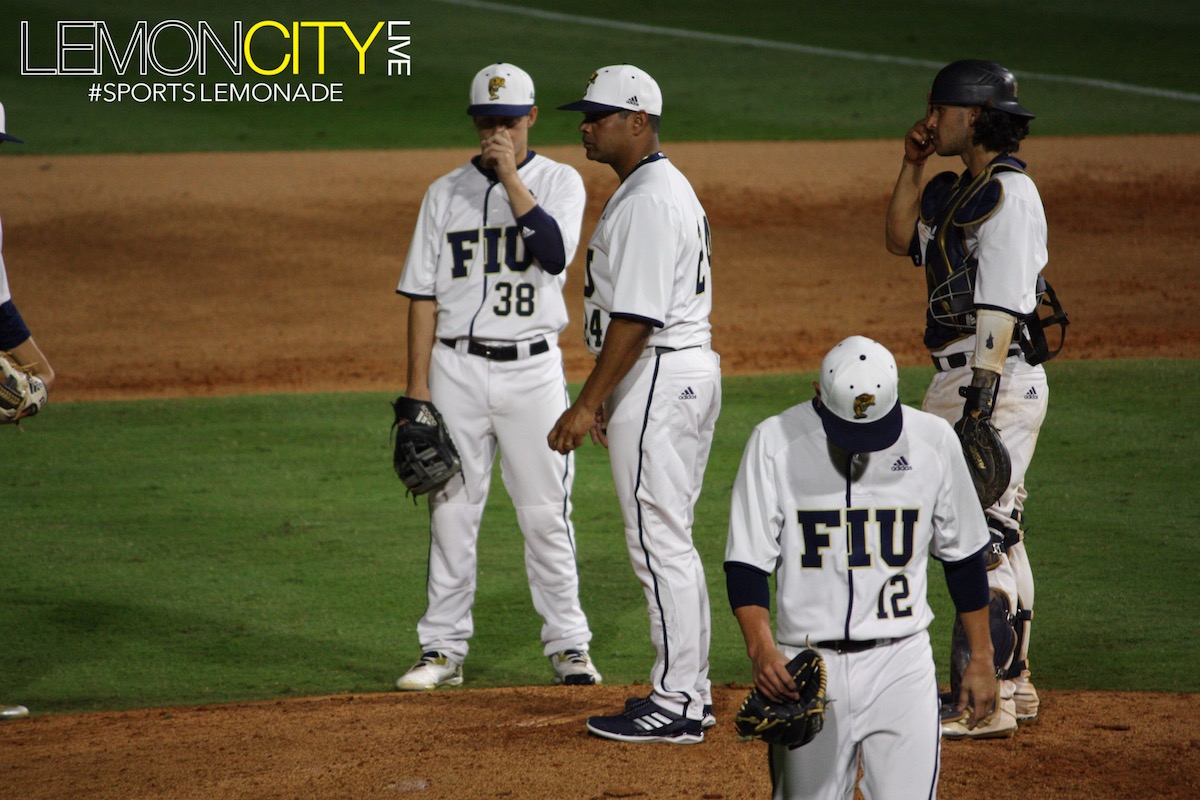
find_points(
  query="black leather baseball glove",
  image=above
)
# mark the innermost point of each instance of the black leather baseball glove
(987, 457)
(793, 724)
(425, 457)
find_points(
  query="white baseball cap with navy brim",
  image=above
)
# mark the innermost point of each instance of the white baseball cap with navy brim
(620, 87)
(4, 135)
(501, 90)
(859, 405)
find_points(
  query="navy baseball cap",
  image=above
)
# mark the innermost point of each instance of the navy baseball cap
(4, 136)
(859, 404)
(501, 90)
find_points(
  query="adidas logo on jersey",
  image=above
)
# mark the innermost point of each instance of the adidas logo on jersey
(1031, 394)
(687, 394)
(901, 465)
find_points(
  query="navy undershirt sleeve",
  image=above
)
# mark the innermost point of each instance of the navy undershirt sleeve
(746, 585)
(543, 239)
(13, 330)
(967, 582)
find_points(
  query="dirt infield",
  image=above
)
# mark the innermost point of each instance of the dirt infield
(215, 274)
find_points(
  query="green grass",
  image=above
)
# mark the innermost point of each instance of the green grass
(758, 85)
(191, 551)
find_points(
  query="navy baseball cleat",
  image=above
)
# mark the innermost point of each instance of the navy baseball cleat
(708, 721)
(647, 721)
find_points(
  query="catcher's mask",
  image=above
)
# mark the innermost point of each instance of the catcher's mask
(977, 83)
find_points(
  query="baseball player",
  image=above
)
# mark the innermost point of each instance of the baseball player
(981, 237)
(845, 498)
(16, 340)
(484, 277)
(655, 392)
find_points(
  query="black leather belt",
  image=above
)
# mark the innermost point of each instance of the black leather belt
(957, 360)
(499, 352)
(851, 645)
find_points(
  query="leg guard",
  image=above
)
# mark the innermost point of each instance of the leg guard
(1021, 624)
(1004, 642)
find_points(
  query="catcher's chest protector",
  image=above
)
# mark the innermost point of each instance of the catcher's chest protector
(949, 204)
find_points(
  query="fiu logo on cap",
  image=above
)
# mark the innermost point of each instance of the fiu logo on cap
(494, 87)
(592, 79)
(861, 404)
(1016, 90)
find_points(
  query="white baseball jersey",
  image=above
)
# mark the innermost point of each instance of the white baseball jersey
(649, 258)
(850, 556)
(469, 253)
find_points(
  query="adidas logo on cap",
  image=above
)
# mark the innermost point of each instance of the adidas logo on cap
(633, 101)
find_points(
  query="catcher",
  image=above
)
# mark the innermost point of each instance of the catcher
(845, 498)
(981, 236)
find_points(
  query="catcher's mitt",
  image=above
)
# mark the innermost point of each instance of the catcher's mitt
(987, 457)
(425, 457)
(793, 723)
(22, 394)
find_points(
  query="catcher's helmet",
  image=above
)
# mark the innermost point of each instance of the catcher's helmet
(977, 83)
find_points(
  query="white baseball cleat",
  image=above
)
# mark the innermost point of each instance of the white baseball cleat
(13, 712)
(1002, 724)
(433, 670)
(1026, 699)
(574, 668)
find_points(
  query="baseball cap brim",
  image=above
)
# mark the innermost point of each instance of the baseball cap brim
(862, 437)
(496, 110)
(590, 107)
(4, 137)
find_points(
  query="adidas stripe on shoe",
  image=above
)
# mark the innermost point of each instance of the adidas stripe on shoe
(648, 722)
(709, 719)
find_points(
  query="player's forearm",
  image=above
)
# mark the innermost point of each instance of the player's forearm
(993, 334)
(904, 208)
(30, 357)
(755, 622)
(520, 198)
(624, 342)
(976, 625)
(422, 323)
